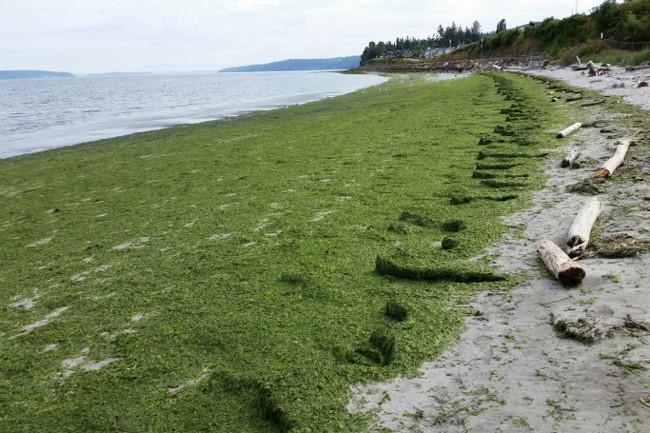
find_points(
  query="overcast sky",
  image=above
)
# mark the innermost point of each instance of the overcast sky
(84, 36)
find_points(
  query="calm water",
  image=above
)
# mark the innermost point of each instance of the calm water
(45, 113)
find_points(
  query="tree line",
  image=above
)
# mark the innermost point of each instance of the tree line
(610, 25)
(623, 23)
(453, 35)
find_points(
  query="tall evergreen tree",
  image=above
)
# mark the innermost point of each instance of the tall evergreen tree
(476, 31)
(501, 25)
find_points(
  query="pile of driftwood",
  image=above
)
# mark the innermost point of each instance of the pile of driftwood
(592, 68)
(561, 263)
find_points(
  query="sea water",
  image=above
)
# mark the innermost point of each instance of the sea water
(39, 114)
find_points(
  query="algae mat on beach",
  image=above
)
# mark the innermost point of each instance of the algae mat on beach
(240, 275)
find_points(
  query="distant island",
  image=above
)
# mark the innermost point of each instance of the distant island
(13, 75)
(301, 65)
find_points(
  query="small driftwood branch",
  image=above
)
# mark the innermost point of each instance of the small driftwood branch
(591, 104)
(580, 230)
(571, 158)
(631, 323)
(607, 169)
(569, 130)
(637, 68)
(559, 263)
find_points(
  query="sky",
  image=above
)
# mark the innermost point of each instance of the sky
(90, 36)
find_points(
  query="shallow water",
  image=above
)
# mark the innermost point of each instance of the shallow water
(40, 114)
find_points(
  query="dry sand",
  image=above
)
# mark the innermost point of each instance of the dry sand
(510, 371)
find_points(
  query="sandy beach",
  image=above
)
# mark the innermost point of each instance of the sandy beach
(510, 370)
(618, 83)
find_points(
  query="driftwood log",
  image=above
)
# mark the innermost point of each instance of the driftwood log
(591, 66)
(580, 230)
(615, 161)
(644, 65)
(592, 103)
(569, 130)
(559, 263)
(579, 66)
(571, 158)
(597, 70)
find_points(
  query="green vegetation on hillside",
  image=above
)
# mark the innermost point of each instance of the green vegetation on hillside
(624, 27)
(240, 275)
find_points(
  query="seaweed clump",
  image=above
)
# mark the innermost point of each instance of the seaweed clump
(396, 311)
(385, 266)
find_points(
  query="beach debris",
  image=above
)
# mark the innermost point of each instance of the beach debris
(566, 131)
(587, 187)
(597, 70)
(598, 102)
(607, 169)
(460, 274)
(632, 323)
(580, 230)
(584, 329)
(579, 66)
(644, 65)
(619, 245)
(566, 270)
(571, 158)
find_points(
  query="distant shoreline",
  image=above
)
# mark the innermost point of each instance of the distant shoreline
(336, 63)
(29, 74)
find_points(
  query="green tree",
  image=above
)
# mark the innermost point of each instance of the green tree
(476, 31)
(381, 49)
(501, 26)
(369, 53)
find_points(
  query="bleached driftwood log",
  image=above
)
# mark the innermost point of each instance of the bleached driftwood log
(580, 230)
(559, 263)
(644, 65)
(569, 130)
(591, 66)
(597, 70)
(615, 161)
(571, 158)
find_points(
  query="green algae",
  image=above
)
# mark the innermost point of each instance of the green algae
(227, 269)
